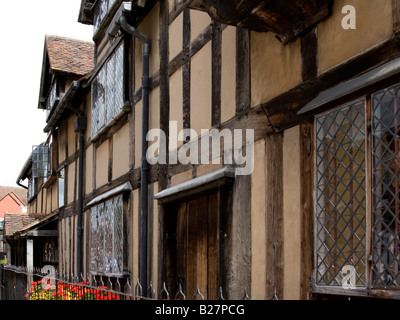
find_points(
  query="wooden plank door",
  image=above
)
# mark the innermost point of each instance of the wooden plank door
(197, 246)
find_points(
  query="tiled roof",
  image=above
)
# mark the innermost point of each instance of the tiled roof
(19, 192)
(14, 222)
(70, 55)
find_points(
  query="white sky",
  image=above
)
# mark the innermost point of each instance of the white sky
(23, 26)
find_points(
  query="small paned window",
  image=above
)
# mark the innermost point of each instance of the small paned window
(357, 245)
(108, 90)
(106, 237)
(40, 162)
(386, 187)
(100, 11)
(340, 193)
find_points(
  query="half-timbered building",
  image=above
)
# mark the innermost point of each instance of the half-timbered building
(304, 93)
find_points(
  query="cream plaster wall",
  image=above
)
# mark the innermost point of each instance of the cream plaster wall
(291, 214)
(228, 74)
(71, 136)
(151, 28)
(89, 169)
(275, 68)
(176, 100)
(258, 224)
(198, 22)
(175, 37)
(138, 134)
(70, 183)
(200, 90)
(62, 141)
(374, 24)
(120, 152)
(102, 154)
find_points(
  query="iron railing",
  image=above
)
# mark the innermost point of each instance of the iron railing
(22, 283)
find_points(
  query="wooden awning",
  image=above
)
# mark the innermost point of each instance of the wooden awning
(286, 18)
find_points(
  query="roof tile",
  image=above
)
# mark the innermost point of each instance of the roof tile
(70, 55)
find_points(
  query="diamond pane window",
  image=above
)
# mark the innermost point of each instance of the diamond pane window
(106, 237)
(100, 12)
(386, 187)
(107, 91)
(341, 194)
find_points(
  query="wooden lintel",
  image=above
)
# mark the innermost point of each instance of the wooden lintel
(43, 233)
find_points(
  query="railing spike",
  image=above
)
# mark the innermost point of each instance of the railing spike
(246, 295)
(164, 291)
(198, 293)
(180, 293)
(220, 294)
(138, 290)
(150, 291)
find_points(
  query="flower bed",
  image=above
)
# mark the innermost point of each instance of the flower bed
(45, 290)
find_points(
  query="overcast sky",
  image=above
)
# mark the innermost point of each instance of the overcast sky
(23, 26)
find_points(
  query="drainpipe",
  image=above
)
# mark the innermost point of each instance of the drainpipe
(80, 126)
(145, 167)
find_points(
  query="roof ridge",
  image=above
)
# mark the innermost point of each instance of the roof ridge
(47, 36)
(16, 198)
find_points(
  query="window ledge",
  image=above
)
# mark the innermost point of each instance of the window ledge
(126, 187)
(378, 74)
(103, 131)
(382, 293)
(197, 185)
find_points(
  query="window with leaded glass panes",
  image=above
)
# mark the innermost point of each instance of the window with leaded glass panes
(108, 90)
(386, 187)
(341, 193)
(106, 237)
(357, 203)
(101, 9)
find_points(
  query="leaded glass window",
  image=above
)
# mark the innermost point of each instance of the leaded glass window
(352, 237)
(40, 162)
(386, 187)
(106, 237)
(100, 12)
(107, 91)
(340, 193)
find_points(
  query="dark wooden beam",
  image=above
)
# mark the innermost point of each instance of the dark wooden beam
(396, 15)
(242, 71)
(307, 209)
(164, 86)
(274, 215)
(186, 49)
(216, 74)
(309, 50)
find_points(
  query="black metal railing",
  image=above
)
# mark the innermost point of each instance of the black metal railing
(21, 283)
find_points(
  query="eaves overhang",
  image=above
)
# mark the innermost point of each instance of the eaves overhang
(69, 101)
(286, 18)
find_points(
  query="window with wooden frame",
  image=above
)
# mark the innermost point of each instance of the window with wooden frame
(101, 9)
(108, 90)
(106, 243)
(357, 167)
